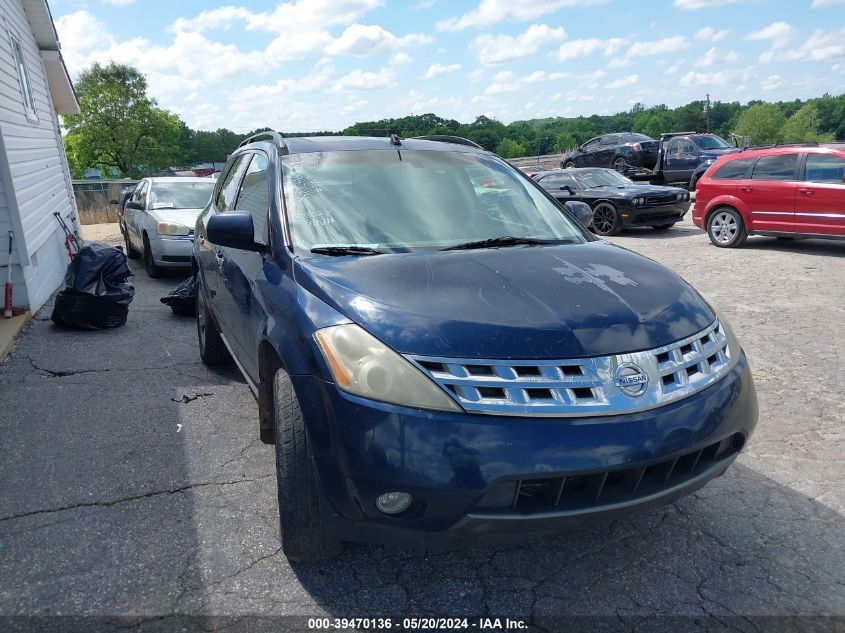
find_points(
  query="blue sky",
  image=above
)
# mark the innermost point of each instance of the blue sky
(307, 65)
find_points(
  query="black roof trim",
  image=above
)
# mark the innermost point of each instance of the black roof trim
(271, 135)
(446, 138)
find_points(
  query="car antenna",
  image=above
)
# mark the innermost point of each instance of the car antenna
(395, 140)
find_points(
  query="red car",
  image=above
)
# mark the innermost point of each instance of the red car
(787, 191)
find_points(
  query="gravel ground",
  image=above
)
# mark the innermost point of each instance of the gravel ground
(134, 486)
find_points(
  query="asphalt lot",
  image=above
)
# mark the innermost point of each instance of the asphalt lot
(133, 484)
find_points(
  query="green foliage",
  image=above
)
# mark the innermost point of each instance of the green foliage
(509, 148)
(119, 128)
(804, 126)
(762, 122)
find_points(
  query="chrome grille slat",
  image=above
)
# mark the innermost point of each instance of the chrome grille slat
(560, 387)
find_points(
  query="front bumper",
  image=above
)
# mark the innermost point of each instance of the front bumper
(172, 252)
(653, 216)
(456, 465)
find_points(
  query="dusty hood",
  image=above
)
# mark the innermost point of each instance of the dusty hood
(525, 302)
(188, 217)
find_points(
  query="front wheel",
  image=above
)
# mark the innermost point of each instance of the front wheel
(606, 220)
(726, 229)
(304, 535)
(570, 164)
(153, 269)
(620, 164)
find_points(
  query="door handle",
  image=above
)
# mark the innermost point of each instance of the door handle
(806, 192)
(746, 189)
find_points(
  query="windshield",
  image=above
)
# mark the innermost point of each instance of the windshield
(180, 195)
(397, 200)
(710, 142)
(591, 178)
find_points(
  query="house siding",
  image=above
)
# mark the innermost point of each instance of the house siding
(34, 165)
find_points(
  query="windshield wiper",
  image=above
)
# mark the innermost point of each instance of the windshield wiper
(337, 251)
(505, 240)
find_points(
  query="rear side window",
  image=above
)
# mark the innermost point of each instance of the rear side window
(610, 140)
(254, 196)
(777, 167)
(229, 189)
(734, 169)
(824, 168)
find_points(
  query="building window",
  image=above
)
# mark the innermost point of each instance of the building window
(23, 77)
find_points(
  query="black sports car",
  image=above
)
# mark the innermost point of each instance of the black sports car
(617, 202)
(625, 152)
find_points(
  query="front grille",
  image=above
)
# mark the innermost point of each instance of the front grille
(653, 201)
(582, 386)
(176, 258)
(605, 488)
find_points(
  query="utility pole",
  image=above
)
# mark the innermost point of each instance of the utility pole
(707, 112)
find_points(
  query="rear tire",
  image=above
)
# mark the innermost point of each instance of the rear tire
(153, 269)
(606, 220)
(212, 349)
(304, 535)
(620, 164)
(726, 229)
(663, 227)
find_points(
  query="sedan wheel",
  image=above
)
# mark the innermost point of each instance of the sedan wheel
(620, 165)
(605, 219)
(570, 164)
(726, 228)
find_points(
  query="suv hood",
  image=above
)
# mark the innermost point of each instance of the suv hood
(634, 189)
(566, 301)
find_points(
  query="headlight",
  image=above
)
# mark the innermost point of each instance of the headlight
(166, 228)
(636, 202)
(680, 196)
(364, 366)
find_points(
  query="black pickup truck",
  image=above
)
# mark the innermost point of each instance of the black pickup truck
(682, 158)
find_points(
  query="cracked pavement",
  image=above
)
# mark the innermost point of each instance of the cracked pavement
(134, 486)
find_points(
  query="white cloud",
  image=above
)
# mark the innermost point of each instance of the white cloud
(436, 70)
(772, 82)
(817, 4)
(714, 55)
(659, 47)
(586, 47)
(689, 5)
(494, 11)
(706, 79)
(363, 80)
(496, 49)
(506, 81)
(623, 82)
(476, 75)
(710, 34)
(820, 46)
(778, 32)
(361, 40)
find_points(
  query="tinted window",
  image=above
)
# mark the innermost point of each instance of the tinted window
(419, 200)
(229, 186)
(637, 138)
(824, 168)
(734, 169)
(777, 167)
(610, 140)
(591, 145)
(710, 142)
(254, 196)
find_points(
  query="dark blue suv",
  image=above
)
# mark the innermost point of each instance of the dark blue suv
(443, 355)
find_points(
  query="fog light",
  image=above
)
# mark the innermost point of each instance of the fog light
(393, 502)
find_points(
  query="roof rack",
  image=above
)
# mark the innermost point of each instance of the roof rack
(671, 134)
(446, 138)
(274, 137)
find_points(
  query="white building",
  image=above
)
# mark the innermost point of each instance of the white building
(34, 176)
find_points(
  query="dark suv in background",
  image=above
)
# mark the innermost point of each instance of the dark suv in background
(623, 152)
(442, 354)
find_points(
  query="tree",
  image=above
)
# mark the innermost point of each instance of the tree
(119, 128)
(763, 122)
(804, 126)
(509, 148)
(565, 142)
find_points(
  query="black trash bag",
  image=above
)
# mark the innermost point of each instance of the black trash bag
(182, 299)
(96, 292)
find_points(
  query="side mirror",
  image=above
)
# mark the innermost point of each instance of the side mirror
(568, 189)
(113, 201)
(232, 230)
(133, 204)
(581, 210)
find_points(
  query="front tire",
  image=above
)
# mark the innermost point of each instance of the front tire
(153, 269)
(726, 229)
(212, 349)
(606, 220)
(570, 164)
(620, 164)
(304, 535)
(131, 251)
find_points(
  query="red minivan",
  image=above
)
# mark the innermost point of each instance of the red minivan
(788, 191)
